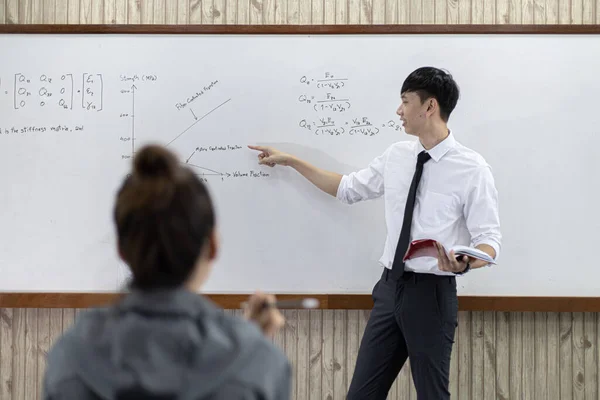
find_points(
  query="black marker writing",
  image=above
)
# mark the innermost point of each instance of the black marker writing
(33, 129)
(196, 95)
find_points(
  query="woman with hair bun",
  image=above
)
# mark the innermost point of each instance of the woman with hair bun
(163, 340)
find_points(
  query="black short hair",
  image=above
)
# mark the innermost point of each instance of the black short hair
(429, 82)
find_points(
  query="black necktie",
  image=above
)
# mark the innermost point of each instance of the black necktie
(404, 240)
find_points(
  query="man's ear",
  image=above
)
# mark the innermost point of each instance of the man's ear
(432, 105)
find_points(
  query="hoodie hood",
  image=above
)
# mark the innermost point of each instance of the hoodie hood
(165, 342)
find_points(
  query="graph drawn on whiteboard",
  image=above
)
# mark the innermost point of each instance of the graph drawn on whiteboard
(195, 160)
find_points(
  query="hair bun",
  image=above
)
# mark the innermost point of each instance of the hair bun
(154, 161)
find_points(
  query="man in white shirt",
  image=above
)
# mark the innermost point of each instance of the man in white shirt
(434, 188)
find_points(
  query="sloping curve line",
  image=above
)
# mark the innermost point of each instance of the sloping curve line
(199, 119)
(206, 169)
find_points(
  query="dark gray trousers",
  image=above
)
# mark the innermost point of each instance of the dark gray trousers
(416, 318)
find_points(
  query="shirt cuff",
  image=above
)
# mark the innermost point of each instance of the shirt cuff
(342, 189)
(492, 243)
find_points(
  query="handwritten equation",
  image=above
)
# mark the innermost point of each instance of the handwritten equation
(362, 126)
(327, 82)
(326, 97)
(326, 103)
(64, 91)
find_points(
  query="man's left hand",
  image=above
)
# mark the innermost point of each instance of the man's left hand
(449, 263)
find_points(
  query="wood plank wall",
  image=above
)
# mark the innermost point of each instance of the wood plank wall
(497, 355)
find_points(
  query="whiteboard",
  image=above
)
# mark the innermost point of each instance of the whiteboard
(74, 109)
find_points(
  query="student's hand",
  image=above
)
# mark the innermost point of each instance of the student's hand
(268, 318)
(271, 157)
(449, 263)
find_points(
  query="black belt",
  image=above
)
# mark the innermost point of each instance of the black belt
(415, 276)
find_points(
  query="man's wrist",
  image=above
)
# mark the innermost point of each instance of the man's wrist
(293, 161)
(464, 271)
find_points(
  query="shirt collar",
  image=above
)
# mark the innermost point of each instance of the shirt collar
(440, 149)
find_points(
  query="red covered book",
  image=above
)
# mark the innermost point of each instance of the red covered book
(428, 248)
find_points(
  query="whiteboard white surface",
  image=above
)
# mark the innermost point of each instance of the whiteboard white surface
(528, 105)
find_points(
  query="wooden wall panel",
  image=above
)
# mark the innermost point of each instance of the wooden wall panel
(497, 355)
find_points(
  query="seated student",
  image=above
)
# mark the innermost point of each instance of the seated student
(163, 340)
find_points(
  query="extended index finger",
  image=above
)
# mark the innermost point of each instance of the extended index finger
(259, 148)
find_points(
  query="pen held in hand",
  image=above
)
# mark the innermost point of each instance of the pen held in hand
(307, 303)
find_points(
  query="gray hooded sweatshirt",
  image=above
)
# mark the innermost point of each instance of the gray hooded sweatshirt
(173, 345)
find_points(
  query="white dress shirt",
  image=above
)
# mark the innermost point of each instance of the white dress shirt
(456, 204)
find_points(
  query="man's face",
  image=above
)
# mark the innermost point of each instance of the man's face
(412, 113)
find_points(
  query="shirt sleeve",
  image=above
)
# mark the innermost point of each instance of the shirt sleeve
(481, 210)
(364, 184)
